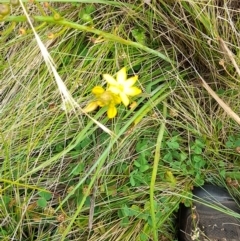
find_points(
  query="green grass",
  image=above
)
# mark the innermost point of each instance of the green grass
(69, 176)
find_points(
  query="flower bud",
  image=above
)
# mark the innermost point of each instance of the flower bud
(237, 149)
(98, 90)
(14, 2)
(86, 17)
(22, 31)
(51, 35)
(46, 4)
(91, 107)
(57, 16)
(4, 9)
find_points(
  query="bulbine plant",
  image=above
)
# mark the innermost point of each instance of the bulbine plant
(118, 91)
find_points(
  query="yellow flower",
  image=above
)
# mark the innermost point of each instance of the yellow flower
(104, 98)
(122, 86)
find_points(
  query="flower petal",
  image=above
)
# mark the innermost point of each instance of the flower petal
(124, 99)
(91, 107)
(98, 90)
(121, 76)
(110, 80)
(131, 81)
(101, 103)
(132, 91)
(112, 111)
(114, 89)
(116, 99)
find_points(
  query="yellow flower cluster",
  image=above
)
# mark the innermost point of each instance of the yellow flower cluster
(118, 91)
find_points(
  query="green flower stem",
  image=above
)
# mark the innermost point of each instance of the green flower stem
(106, 35)
(84, 28)
(17, 19)
(154, 173)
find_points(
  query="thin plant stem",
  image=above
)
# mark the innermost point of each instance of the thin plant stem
(154, 173)
(84, 28)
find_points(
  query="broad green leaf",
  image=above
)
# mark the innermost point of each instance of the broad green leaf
(172, 144)
(46, 195)
(42, 202)
(144, 168)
